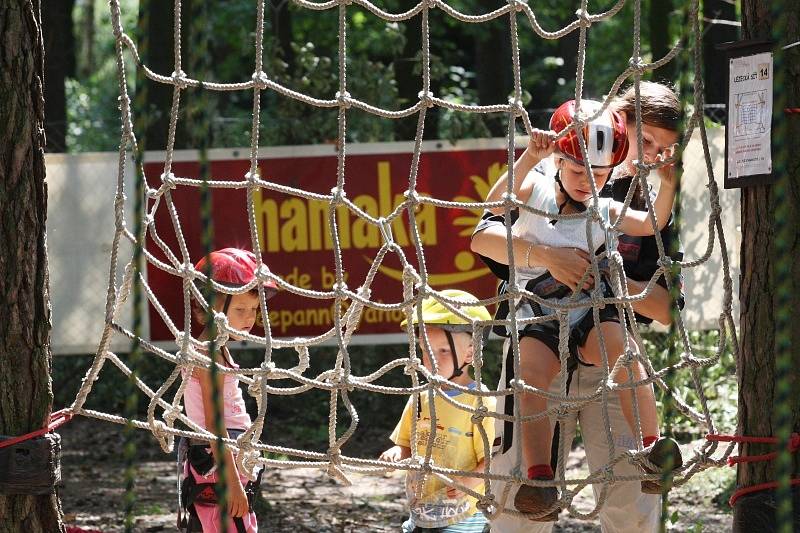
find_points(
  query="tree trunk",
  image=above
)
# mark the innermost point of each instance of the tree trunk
(87, 65)
(281, 24)
(155, 41)
(25, 357)
(59, 48)
(714, 61)
(493, 72)
(766, 292)
(660, 37)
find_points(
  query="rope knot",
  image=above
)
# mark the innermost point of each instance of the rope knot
(517, 106)
(583, 16)
(263, 273)
(252, 178)
(411, 366)
(168, 181)
(517, 384)
(594, 213)
(187, 271)
(486, 503)
(509, 198)
(344, 99)
(412, 197)
(666, 262)
(518, 5)
(260, 79)
(426, 98)
(337, 196)
(479, 414)
(629, 357)
(179, 79)
(386, 230)
(339, 288)
(562, 412)
(636, 63)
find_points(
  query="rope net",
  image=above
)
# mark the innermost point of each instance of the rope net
(163, 412)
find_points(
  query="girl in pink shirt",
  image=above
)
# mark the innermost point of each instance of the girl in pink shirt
(234, 268)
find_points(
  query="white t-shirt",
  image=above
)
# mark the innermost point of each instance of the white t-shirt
(566, 233)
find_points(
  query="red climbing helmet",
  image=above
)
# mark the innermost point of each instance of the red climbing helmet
(606, 136)
(235, 267)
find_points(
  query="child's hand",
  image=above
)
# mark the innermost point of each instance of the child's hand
(568, 265)
(394, 454)
(237, 499)
(541, 144)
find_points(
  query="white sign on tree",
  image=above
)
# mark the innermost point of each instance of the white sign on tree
(749, 118)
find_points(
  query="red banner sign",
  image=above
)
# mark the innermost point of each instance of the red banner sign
(295, 237)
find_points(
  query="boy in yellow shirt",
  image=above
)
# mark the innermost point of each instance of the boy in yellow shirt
(458, 443)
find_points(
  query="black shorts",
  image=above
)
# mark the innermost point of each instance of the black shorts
(547, 332)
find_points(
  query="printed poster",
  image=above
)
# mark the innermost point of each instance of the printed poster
(749, 116)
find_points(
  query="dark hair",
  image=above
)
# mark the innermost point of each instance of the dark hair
(660, 105)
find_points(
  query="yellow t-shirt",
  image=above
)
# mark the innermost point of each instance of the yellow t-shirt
(458, 445)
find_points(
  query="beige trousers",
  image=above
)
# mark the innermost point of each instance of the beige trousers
(626, 509)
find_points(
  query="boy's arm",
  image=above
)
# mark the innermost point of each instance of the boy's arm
(540, 145)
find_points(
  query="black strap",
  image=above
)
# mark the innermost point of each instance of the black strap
(579, 206)
(457, 370)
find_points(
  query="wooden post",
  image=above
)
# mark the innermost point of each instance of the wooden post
(25, 357)
(769, 363)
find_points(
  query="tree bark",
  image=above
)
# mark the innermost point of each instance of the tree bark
(660, 37)
(714, 61)
(25, 357)
(59, 47)
(763, 292)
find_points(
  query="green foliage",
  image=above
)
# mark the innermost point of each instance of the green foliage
(718, 380)
(375, 48)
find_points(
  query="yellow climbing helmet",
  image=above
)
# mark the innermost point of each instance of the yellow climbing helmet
(435, 313)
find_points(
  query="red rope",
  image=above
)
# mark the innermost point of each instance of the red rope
(794, 445)
(792, 110)
(57, 419)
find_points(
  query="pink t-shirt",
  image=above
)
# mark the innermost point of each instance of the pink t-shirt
(233, 407)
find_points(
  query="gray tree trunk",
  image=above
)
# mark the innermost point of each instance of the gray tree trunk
(761, 297)
(25, 357)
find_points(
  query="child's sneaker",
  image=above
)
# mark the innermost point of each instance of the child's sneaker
(534, 500)
(666, 454)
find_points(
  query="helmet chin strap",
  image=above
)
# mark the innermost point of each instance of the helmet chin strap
(458, 370)
(579, 206)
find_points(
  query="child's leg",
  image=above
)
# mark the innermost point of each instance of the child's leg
(538, 366)
(614, 343)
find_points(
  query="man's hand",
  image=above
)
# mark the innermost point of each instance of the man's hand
(568, 265)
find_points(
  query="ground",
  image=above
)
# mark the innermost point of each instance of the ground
(92, 492)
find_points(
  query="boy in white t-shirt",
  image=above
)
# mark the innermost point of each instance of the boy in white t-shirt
(567, 192)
